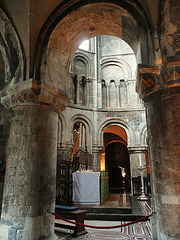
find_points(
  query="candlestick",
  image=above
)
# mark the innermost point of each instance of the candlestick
(143, 197)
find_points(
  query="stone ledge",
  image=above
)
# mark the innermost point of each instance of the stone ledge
(30, 91)
(137, 149)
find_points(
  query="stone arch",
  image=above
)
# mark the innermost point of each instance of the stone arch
(119, 122)
(11, 51)
(62, 126)
(143, 136)
(80, 67)
(85, 59)
(80, 71)
(88, 128)
(122, 64)
(116, 141)
(85, 120)
(60, 36)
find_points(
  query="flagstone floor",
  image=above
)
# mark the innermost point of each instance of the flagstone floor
(136, 231)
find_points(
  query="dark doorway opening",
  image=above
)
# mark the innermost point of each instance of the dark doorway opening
(118, 166)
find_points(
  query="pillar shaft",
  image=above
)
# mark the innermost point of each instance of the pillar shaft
(99, 96)
(117, 94)
(30, 180)
(78, 91)
(96, 162)
(108, 94)
(163, 111)
(96, 153)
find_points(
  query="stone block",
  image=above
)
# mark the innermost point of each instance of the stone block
(170, 199)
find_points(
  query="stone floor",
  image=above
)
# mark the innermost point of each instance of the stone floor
(136, 231)
(115, 200)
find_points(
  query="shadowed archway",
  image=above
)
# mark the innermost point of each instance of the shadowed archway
(117, 157)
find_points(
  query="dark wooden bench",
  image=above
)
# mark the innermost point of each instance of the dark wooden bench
(77, 215)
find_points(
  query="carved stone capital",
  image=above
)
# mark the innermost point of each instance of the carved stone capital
(147, 80)
(65, 145)
(117, 84)
(137, 149)
(97, 148)
(32, 92)
(171, 71)
(153, 78)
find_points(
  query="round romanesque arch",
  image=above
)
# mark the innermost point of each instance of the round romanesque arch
(85, 120)
(62, 129)
(120, 65)
(11, 53)
(82, 125)
(143, 136)
(84, 58)
(150, 29)
(119, 122)
(60, 37)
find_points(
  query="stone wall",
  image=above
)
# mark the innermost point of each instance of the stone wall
(111, 66)
(163, 125)
(4, 134)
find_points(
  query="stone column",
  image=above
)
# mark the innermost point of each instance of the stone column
(64, 151)
(99, 95)
(80, 135)
(90, 93)
(159, 87)
(163, 111)
(108, 94)
(72, 90)
(88, 82)
(96, 153)
(99, 84)
(124, 89)
(137, 158)
(94, 93)
(78, 90)
(30, 179)
(83, 137)
(118, 95)
(4, 135)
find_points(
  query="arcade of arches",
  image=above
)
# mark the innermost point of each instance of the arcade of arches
(97, 105)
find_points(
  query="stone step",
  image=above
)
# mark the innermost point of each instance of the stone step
(105, 210)
(112, 217)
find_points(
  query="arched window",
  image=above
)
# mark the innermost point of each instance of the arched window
(79, 81)
(104, 94)
(113, 98)
(123, 93)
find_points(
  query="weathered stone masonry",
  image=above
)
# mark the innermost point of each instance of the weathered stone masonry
(40, 44)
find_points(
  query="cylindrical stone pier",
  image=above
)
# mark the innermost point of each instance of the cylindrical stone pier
(30, 180)
(96, 151)
(163, 122)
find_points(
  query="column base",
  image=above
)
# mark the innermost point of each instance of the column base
(143, 198)
(16, 232)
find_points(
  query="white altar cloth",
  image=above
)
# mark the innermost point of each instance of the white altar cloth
(86, 188)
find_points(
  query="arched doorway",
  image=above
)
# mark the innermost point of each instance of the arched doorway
(118, 166)
(117, 161)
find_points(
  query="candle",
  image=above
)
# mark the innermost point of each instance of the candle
(80, 135)
(140, 160)
(83, 137)
(91, 145)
